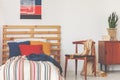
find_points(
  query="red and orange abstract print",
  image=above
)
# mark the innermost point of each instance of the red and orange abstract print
(30, 9)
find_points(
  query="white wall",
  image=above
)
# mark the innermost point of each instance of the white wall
(79, 19)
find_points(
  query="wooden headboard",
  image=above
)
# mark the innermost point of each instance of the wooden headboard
(49, 32)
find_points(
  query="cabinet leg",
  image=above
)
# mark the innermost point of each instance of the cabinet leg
(105, 68)
(101, 67)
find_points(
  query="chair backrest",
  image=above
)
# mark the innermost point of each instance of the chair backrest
(81, 42)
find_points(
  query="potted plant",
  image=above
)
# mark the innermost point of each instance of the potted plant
(112, 21)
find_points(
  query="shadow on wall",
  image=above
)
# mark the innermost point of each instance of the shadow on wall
(0, 43)
(118, 33)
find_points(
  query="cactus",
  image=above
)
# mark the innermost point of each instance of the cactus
(112, 20)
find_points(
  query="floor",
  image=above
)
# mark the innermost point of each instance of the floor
(113, 75)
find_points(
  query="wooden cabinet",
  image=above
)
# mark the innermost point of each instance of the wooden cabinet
(109, 53)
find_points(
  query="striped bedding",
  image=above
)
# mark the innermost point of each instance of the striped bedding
(19, 68)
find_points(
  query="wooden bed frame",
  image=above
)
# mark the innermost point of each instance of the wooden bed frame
(49, 32)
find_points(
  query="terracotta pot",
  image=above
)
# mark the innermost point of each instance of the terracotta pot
(112, 32)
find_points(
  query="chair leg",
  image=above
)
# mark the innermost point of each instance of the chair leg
(76, 62)
(94, 66)
(66, 60)
(85, 63)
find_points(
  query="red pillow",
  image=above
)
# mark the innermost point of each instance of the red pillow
(30, 49)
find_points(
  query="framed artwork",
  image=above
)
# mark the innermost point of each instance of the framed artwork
(30, 9)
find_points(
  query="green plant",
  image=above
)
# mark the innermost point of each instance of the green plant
(112, 20)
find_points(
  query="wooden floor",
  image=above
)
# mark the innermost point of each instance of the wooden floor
(113, 75)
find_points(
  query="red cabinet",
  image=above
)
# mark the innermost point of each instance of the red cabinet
(109, 53)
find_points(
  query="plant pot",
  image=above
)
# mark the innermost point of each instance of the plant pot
(112, 32)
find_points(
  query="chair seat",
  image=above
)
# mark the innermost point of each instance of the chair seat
(78, 56)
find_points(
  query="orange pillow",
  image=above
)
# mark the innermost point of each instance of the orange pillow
(30, 49)
(46, 46)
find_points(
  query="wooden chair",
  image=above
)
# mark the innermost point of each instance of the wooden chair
(82, 57)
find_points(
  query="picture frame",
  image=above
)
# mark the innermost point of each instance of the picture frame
(30, 9)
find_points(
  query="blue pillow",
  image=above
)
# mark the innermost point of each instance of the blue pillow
(14, 48)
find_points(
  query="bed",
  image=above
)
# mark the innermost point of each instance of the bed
(40, 66)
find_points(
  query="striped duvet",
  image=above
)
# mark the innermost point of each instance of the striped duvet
(19, 68)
